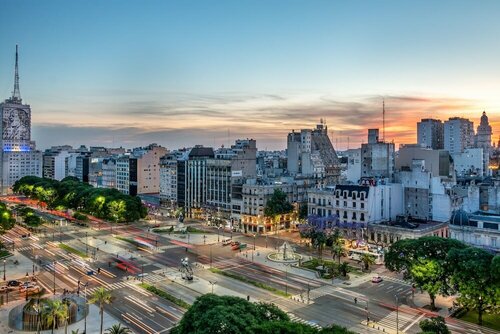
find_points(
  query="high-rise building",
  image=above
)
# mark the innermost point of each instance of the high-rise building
(458, 135)
(55, 162)
(377, 157)
(311, 154)
(430, 133)
(19, 155)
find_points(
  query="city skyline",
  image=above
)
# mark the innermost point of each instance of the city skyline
(215, 72)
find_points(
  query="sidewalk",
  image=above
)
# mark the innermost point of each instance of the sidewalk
(420, 300)
(17, 271)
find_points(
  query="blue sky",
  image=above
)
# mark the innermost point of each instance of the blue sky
(184, 72)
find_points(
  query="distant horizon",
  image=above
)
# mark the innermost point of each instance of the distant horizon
(187, 73)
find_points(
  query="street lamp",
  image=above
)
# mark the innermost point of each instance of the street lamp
(286, 279)
(55, 278)
(142, 273)
(212, 284)
(86, 306)
(397, 314)
(86, 244)
(4, 270)
(27, 275)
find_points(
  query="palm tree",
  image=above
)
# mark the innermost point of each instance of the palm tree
(47, 313)
(367, 260)
(344, 268)
(101, 297)
(61, 312)
(118, 329)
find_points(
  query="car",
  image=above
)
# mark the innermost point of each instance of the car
(377, 279)
(31, 288)
(234, 243)
(13, 283)
(226, 242)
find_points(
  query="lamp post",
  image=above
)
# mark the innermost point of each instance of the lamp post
(27, 287)
(367, 314)
(142, 273)
(210, 255)
(286, 279)
(397, 314)
(4, 270)
(212, 283)
(86, 244)
(218, 233)
(55, 278)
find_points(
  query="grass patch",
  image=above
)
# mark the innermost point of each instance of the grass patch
(130, 241)
(249, 281)
(194, 230)
(489, 320)
(165, 295)
(72, 250)
(314, 263)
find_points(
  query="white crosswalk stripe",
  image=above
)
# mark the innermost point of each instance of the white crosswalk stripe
(112, 286)
(401, 319)
(294, 318)
(396, 280)
(153, 278)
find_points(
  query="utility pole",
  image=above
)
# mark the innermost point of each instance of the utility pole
(55, 278)
(397, 314)
(87, 244)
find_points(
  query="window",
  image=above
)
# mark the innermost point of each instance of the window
(345, 215)
(354, 215)
(345, 203)
(491, 226)
(337, 203)
(362, 217)
(353, 204)
(362, 205)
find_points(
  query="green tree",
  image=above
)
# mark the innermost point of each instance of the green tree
(101, 297)
(75, 331)
(344, 269)
(277, 206)
(436, 325)
(423, 262)
(226, 314)
(475, 278)
(367, 260)
(118, 329)
(284, 327)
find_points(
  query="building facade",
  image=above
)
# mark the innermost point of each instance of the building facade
(19, 156)
(430, 133)
(458, 135)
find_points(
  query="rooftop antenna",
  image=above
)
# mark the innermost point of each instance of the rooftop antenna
(347, 142)
(383, 119)
(16, 94)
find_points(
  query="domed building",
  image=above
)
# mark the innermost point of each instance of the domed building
(480, 229)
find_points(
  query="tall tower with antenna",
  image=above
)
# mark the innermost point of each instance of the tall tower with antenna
(16, 94)
(383, 119)
(16, 143)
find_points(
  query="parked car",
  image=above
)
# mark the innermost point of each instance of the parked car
(13, 283)
(226, 242)
(377, 279)
(30, 287)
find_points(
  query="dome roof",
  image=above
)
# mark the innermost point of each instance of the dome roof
(460, 218)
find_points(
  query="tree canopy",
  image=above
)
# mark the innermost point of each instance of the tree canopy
(423, 262)
(443, 266)
(278, 204)
(228, 315)
(70, 193)
(435, 325)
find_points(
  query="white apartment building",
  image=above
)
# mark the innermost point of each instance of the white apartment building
(458, 135)
(357, 204)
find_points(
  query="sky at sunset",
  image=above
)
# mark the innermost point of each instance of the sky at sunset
(188, 72)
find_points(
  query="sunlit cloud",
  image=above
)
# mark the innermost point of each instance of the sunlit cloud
(178, 120)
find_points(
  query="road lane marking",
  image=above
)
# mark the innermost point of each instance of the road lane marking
(413, 323)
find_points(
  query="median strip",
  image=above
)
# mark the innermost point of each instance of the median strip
(249, 281)
(70, 249)
(165, 295)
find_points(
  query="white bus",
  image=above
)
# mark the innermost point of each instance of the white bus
(355, 254)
